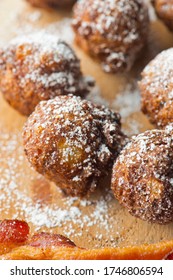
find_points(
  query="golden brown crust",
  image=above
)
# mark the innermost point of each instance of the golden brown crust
(157, 90)
(52, 3)
(156, 251)
(142, 176)
(39, 67)
(73, 142)
(164, 10)
(111, 31)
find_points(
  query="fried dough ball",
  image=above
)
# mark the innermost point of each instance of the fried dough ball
(112, 31)
(142, 177)
(156, 89)
(164, 10)
(39, 67)
(73, 142)
(51, 3)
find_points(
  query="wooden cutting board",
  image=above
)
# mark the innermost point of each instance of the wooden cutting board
(96, 221)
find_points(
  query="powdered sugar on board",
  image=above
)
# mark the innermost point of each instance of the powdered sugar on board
(104, 221)
(29, 22)
(97, 218)
(127, 103)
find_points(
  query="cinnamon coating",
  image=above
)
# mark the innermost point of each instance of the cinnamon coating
(157, 89)
(39, 67)
(142, 179)
(164, 10)
(51, 3)
(73, 142)
(113, 32)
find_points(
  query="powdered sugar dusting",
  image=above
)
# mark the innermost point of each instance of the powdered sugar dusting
(160, 69)
(42, 46)
(128, 101)
(72, 217)
(143, 176)
(156, 89)
(115, 30)
(76, 137)
(107, 17)
(16, 175)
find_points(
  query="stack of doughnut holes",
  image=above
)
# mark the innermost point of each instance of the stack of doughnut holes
(74, 142)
